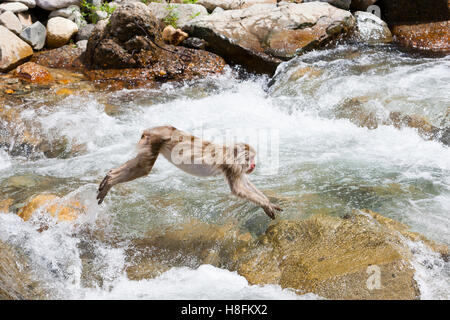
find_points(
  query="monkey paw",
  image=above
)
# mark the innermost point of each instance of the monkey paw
(103, 189)
(270, 210)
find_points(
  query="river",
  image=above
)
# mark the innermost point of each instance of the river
(305, 150)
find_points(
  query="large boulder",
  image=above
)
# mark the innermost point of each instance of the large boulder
(56, 4)
(13, 50)
(363, 256)
(262, 36)
(129, 40)
(129, 51)
(60, 31)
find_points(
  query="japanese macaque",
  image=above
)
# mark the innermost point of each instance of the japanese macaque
(194, 156)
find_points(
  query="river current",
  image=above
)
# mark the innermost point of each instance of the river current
(305, 151)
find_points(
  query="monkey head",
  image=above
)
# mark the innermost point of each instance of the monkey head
(245, 155)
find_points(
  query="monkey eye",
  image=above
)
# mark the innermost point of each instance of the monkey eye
(142, 137)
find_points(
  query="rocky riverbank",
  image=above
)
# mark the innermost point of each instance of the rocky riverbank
(256, 34)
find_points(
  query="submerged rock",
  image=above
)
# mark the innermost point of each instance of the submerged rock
(33, 73)
(333, 257)
(63, 210)
(17, 282)
(336, 258)
(261, 36)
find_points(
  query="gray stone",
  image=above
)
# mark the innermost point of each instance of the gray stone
(341, 4)
(13, 6)
(370, 28)
(28, 3)
(56, 4)
(82, 44)
(85, 32)
(34, 35)
(13, 50)
(10, 21)
(64, 12)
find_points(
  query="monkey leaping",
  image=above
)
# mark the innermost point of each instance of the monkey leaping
(194, 156)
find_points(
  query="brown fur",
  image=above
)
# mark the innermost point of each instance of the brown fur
(196, 157)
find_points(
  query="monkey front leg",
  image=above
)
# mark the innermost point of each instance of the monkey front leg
(243, 188)
(130, 170)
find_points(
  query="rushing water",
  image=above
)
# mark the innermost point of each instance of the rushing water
(317, 163)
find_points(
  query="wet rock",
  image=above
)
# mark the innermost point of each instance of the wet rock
(332, 257)
(371, 29)
(13, 7)
(128, 40)
(68, 57)
(131, 52)
(5, 204)
(60, 31)
(261, 36)
(195, 43)
(341, 4)
(13, 50)
(56, 4)
(17, 281)
(10, 21)
(178, 14)
(33, 73)
(85, 32)
(63, 210)
(211, 5)
(173, 36)
(191, 244)
(354, 110)
(35, 35)
(28, 3)
(431, 37)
